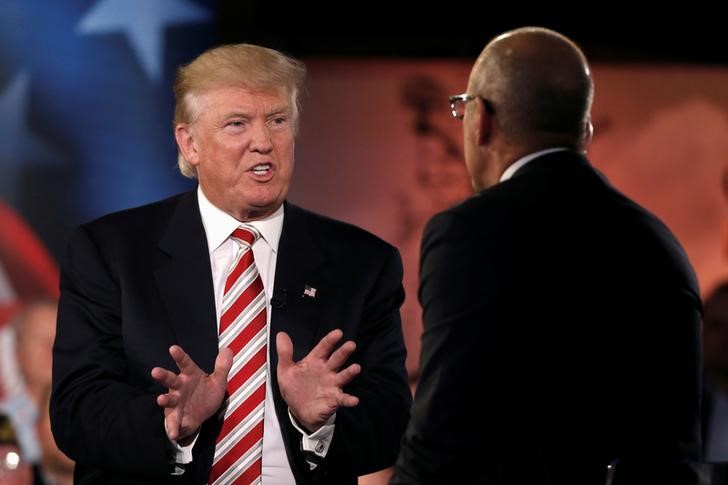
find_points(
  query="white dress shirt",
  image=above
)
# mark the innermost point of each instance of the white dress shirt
(218, 227)
(512, 168)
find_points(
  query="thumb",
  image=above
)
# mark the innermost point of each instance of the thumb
(284, 348)
(223, 363)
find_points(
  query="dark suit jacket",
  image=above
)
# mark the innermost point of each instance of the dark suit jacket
(718, 471)
(135, 282)
(561, 333)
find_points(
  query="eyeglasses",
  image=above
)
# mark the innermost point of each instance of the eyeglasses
(458, 102)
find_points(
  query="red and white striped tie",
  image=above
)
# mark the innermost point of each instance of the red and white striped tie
(239, 446)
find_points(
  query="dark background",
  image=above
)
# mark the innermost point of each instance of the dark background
(85, 131)
(691, 33)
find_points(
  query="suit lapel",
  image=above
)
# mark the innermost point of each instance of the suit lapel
(185, 283)
(301, 262)
(301, 275)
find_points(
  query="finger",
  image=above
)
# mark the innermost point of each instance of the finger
(165, 377)
(284, 347)
(347, 400)
(167, 400)
(170, 400)
(340, 355)
(172, 423)
(324, 348)
(223, 364)
(347, 375)
(182, 359)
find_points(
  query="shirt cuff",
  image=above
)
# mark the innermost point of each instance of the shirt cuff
(319, 441)
(182, 455)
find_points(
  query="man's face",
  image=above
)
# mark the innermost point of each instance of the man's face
(473, 154)
(242, 145)
(482, 170)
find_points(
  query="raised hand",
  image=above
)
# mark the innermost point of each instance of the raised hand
(193, 395)
(313, 386)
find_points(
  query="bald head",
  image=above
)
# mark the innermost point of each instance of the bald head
(539, 85)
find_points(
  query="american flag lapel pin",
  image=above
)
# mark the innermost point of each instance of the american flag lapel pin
(309, 291)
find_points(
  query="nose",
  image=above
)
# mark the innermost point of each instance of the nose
(260, 139)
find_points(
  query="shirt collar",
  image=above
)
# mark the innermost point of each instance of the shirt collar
(513, 168)
(219, 225)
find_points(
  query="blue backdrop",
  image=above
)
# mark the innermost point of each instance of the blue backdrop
(86, 104)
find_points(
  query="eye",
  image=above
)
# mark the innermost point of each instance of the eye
(278, 121)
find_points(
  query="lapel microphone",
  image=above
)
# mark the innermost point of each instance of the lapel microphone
(278, 300)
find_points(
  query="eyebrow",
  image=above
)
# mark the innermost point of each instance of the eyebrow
(243, 114)
(278, 110)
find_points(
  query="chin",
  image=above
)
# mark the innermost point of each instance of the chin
(262, 197)
(265, 205)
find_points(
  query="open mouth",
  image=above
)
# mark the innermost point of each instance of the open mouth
(261, 169)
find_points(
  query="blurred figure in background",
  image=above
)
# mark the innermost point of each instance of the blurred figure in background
(26, 346)
(28, 295)
(27, 270)
(13, 469)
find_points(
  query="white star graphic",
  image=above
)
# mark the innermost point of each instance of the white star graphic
(143, 22)
(18, 144)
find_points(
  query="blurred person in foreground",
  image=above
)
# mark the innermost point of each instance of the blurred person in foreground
(200, 337)
(570, 309)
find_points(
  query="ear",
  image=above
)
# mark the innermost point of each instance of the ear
(186, 143)
(484, 122)
(588, 134)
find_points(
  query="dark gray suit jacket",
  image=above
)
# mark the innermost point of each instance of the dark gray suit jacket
(561, 333)
(135, 282)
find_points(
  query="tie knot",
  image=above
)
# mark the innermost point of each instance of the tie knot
(246, 235)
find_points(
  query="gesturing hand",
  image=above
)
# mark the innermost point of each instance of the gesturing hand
(192, 396)
(312, 387)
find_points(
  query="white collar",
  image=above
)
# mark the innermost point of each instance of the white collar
(219, 225)
(508, 173)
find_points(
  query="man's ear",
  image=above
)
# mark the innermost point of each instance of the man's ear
(588, 134)
(186, 143)
(485, 123)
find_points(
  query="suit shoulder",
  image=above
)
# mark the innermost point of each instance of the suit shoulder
(346, 234)
(142, 223)
(148, 214)
(464, 215)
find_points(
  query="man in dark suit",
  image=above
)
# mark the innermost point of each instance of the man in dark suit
(561, 320)
(139, 388)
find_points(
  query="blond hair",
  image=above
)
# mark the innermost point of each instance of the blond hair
(249, 66)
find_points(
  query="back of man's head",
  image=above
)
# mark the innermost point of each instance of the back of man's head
(539, 85)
